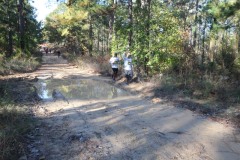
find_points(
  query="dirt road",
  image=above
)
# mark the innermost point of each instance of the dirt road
(122, 127)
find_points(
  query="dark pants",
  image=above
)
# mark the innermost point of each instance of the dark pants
(115, 72)
(58, 53)
(128, 75)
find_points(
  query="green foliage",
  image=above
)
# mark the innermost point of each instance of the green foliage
(155, 47)
(181, 36)
(69, 25)
(9, 28)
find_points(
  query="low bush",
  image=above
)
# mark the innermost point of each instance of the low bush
(97, 64)
(18, 64)
(23, 64)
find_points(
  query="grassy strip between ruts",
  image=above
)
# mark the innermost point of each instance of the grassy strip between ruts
(15, 122)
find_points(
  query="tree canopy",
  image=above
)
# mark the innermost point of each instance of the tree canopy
(162, 35)
(20, 32)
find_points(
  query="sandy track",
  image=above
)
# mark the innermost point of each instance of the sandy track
(124, 128)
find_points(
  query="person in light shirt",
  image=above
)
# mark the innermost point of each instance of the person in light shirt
(128, 66)
(114, 61)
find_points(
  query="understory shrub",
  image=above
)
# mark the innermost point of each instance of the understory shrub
(98, 64)
(18, 64)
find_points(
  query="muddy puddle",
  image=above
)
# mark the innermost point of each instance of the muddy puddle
(83, 89)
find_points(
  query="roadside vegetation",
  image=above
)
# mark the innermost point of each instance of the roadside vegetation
(15, 123)
(17, 98)
(20, 34)
(18, 64)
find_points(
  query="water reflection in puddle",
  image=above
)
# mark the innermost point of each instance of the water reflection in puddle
(78, 89)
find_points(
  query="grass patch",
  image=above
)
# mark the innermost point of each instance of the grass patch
(18, 64)
(15, 122)
(215, 97)
(24, 64)
(200, 88)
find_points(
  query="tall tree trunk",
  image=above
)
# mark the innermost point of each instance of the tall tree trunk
(90, 48)
(21, 24)
(10, 38)
(103, 41)
(107, 45)
(223, 48)
(130, 18)
(238, 50)
(148, 34)
(196, 22)
(138, 59)
(10, 43)
(98, 41)
(203, 43)
(111, 23)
